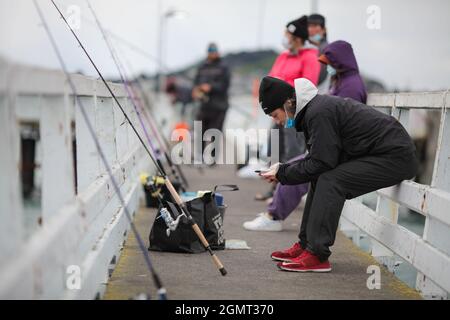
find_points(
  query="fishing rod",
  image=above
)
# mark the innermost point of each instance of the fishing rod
(162, 140)
(162, 293)
(142, 93)
(176, 197)
(132, 97)
(154, 125)
(148, 104)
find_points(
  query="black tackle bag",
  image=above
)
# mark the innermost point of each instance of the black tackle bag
(208, 216)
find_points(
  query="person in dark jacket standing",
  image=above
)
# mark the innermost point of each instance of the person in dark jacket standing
(211, 90)
(341, 64)
(353, 149)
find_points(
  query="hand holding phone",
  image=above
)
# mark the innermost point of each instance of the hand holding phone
(271, 173)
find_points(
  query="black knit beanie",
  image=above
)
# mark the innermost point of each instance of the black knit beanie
(299, 27)
(273, 93)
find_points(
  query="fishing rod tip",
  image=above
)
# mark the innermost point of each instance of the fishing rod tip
(162, 294)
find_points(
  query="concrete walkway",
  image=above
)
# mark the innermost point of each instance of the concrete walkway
(251, 273)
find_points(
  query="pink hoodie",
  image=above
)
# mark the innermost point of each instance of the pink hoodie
(289, 67)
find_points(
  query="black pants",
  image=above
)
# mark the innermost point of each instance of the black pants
(211, 119)
(327, 194)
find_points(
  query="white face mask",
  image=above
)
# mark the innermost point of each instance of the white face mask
(316, 38)
(331, 71)
(285, 43)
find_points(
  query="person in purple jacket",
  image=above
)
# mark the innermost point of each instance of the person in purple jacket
(346, 82)
(343, 68)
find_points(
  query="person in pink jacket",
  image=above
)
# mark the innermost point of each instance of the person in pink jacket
(299, 60)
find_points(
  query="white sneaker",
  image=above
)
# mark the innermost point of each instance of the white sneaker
(263, 222)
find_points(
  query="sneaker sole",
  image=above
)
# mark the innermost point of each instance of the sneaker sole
(280, 259)
(310, 270)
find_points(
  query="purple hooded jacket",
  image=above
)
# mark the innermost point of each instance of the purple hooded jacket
(348, 82)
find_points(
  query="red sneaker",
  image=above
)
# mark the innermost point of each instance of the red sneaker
(307, 262)
(288, 254)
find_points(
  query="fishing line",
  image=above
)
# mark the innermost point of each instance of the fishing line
(131, 94)
(162, 293)
(167, 181)
(154, 125)
(156, 163)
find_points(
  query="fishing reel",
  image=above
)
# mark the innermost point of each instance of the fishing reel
(172, 224)
(164, 213)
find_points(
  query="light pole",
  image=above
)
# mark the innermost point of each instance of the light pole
(314, 6)
(171, 13)
(261, 12)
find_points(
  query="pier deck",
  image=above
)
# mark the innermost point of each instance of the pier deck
(251, 273)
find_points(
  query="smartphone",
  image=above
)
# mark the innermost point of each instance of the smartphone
(260, 171)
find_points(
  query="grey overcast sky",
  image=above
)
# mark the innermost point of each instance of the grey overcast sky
(410, 50)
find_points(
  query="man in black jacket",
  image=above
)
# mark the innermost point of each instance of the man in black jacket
(211, 90)
(353, 149)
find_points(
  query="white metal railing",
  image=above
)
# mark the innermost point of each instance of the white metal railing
(81, 234)
(429, 254)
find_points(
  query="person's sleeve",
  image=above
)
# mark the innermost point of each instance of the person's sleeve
(221, 84)
(323, 156)
(311, 69)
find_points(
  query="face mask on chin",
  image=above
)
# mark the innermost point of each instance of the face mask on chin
(285, 43)
(289, 108)
(316, 38)
(331, 71)
(290, 123)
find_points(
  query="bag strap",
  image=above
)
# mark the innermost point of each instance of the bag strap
(226, 187)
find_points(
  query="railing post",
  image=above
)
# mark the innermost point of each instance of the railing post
(435, 232)
(105, 129)
(11, 223)
(132, 138)
(389, 210)
(121, 131)
(58, 186)
(88, 165)
(349, 229)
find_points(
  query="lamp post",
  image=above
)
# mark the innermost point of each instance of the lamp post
(171, 13)
(314, 6)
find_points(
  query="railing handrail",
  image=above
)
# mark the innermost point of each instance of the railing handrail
(86, 229)
(430, 253)
(31, 80)
(410, 100)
